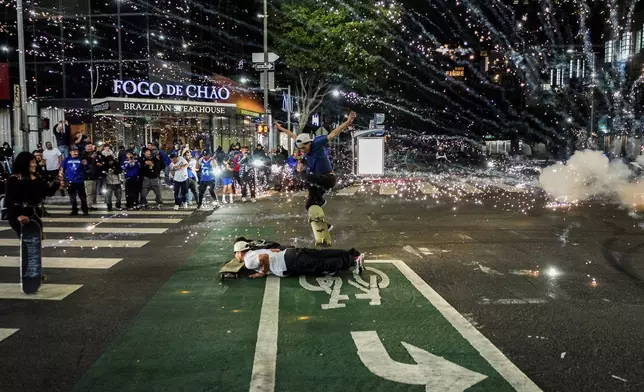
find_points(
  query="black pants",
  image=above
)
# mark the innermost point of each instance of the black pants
(236, 179)
(318, 184)
(248, 181)
(114, 189)
(192, 185)
(202, 191)
(74, 189)
(317, 262)
(180, 192)
(132, 192)
(17, 226)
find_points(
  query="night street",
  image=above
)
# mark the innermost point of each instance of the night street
(557, 292)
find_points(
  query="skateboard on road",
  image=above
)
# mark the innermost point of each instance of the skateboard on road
(31, 257)
(231, 269)
(320, 226)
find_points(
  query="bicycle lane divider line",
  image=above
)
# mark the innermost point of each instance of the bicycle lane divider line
(382, 331)
(196, 334)
(263, 376)
(489, 351)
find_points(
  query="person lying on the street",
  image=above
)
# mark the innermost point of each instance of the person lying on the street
(297, 261)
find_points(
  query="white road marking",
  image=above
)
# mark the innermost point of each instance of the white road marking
(426, 251)
(79, 243)
(5, 228)
(464, 237)
(489, 270)
(102, 206)
(427, 188)
(54, 292)
(106, 230)
(491, 353)
(348, 191)
(65, 262)
(124, 213)
(97, 220)
(512, 301)
(467, 188)
(6, 332)
(387, 189)
(510, 188)
(436, 373)
(410, 249)
(265, 361)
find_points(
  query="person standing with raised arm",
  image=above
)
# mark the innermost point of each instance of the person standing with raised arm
(320, 176)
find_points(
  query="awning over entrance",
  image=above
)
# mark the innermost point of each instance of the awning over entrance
(135, 107)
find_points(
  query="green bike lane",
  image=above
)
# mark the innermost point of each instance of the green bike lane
(386, 330)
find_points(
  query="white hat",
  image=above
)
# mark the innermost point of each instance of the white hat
(302, 139)
(241, 246)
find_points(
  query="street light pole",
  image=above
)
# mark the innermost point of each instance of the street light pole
(267, 115)
(23, 76)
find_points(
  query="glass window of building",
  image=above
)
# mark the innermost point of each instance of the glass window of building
(608, 51)
(77, 42)
(77, 80)
(104, 33)
(626, 45)
(134, 37)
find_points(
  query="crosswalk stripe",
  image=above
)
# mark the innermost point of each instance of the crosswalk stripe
(106, 230)
(388, 189)
(124, 213)
(65, 262)
(348, 191)
(115, 219)
(467, 188)
(6, 332)
(53, 292)
(103, 206)
(79, 243)
(427, 188)
(510, 188)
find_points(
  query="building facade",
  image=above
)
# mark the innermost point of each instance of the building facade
(78, 50)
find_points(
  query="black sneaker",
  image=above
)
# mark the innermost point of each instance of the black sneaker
(86, 213)
(73, 213)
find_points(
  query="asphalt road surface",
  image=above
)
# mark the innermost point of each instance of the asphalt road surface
(541, 298)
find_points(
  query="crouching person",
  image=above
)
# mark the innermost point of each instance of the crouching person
(297, 261)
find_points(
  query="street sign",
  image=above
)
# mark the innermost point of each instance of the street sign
(380, 120)
(271, 80)
(264, 67)
(259, 57)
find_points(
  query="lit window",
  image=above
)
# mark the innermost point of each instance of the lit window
(638, 41)
(626, 45)
(608, 51)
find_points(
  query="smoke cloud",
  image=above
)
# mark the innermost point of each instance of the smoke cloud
(589, 174)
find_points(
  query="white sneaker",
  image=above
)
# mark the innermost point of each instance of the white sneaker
(224, 201)
(253, 200)
(243, 199)
(185, 205)
(176, 207)
(360, 264)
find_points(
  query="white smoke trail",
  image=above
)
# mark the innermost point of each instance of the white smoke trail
(589, 174)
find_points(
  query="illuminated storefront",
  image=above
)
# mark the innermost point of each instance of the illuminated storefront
(203, 116)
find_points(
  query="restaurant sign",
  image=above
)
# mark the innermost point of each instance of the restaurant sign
(155, 89)
(184, 108)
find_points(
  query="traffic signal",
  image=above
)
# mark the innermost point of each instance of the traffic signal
(262, 128)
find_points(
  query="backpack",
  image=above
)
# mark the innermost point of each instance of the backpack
(262, 244)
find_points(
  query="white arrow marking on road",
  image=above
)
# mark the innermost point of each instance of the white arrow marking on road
(410, 249)
(436, 373)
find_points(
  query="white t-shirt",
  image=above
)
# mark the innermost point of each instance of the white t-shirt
(277, 264)
(51, 158)
(180, 175)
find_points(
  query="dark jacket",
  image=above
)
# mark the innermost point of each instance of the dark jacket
(61, 131)
(24, 197)
(150, 172)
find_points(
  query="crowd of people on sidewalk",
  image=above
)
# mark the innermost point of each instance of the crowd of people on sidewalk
(91, 172)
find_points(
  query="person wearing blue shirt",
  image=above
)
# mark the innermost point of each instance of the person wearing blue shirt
(206, 166)
(320, 176)
(73, 170)
(166, 166)
(131, 171)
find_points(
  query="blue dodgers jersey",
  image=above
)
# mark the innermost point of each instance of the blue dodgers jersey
(317, 159)
(74, 170)
(207, 170)
(131, 169)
